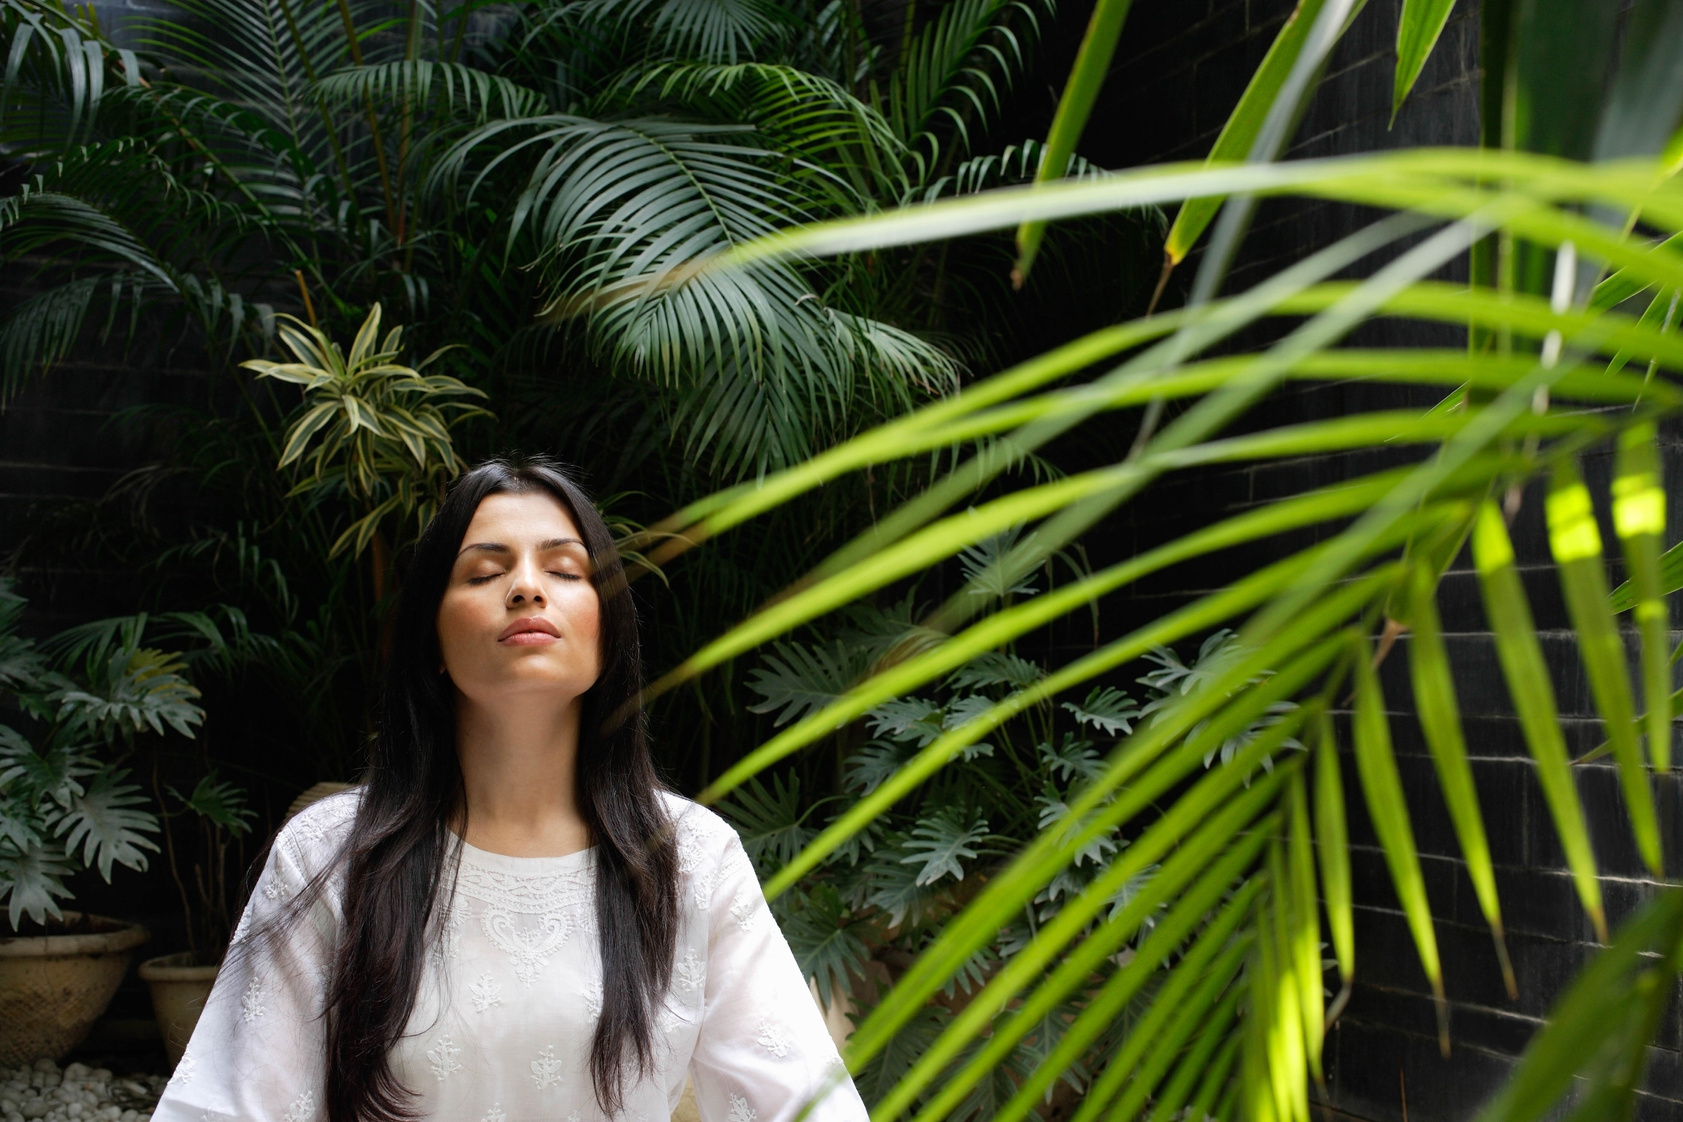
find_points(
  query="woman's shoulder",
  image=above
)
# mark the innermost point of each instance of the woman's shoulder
(317, 831)
(703, 836)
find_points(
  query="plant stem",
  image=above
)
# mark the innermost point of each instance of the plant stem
(373, 122)
(169, 852)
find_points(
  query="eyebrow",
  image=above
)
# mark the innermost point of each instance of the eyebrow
(499, 547)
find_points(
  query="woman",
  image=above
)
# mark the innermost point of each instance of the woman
(510, 920)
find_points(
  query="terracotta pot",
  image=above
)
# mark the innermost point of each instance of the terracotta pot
(53, 987)
(179, 990)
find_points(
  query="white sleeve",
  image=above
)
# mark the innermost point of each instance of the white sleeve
(763, 1052)
(258, 1052)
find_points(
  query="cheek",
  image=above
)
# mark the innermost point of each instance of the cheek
(588, 622)
(456, 620)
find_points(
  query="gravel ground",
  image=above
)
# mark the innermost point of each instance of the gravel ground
(44, 1091)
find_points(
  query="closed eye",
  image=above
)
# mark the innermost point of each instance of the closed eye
(565, 576)
(483, 579)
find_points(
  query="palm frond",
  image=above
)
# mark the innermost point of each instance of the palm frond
(953, 73)
(58, 69)
(452, 89)
(1303, 625)
(724, 31)
(620, 211)
(814, 119)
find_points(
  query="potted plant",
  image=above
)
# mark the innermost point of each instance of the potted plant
(74, 724)
(181, 982)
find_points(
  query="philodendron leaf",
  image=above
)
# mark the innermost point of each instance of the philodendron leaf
(52, 776)
(941, 843)
(220, 801)
(135, 690)
(1106, 709)
(1533, 699)
(104, 823)
(31, 879)
(828, 944)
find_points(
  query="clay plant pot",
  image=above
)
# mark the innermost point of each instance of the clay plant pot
(179, 990)
(54, 987)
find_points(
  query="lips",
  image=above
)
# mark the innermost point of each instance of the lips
(530, 629)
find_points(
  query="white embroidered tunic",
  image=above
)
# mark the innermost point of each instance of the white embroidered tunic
(511, 993)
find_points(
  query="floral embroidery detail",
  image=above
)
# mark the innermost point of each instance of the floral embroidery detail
(184, 1068)
(442, 1059)
(450, 937)
(251, 1001)
(495, 1114)
(740, 1111)
(303, 1108)
(775, 1039)
(704, 884)
(546, 1069)
(669, 1021)
(316, 821)
(529, 947)
(690, 853)
(527, 895)
(573, 1116)
(277, 888)
(593, 998)
(486, 993)
(689, 973)
(744, 911)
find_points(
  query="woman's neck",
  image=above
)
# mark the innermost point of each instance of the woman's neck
(519, 773)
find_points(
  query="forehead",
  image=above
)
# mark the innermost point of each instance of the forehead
(516, 519)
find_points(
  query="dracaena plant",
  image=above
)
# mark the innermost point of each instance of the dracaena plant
(371, 431)
(1221, 1009)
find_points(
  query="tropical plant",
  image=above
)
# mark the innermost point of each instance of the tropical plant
(562, 159)
(1221, 1007)
(66, 803)
(505, 179)
(91, 703)
(380, 430)
(860, 915)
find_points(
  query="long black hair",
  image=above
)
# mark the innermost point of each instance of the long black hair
(397, 849)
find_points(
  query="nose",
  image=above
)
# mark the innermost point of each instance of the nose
(526, 587)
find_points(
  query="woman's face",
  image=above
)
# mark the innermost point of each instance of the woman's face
(520, 614)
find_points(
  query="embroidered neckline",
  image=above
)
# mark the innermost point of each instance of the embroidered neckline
(534, 886)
